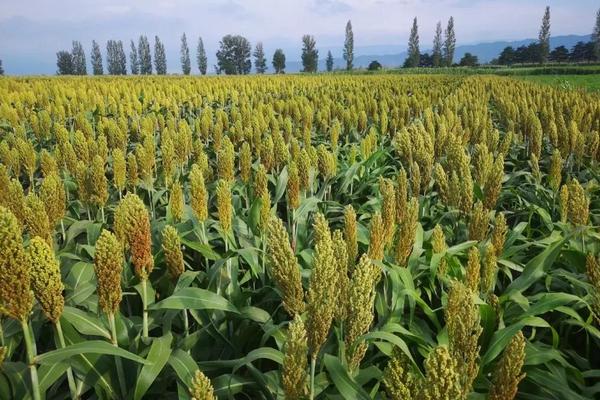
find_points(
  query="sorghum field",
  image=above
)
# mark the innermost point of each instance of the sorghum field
(328, 237)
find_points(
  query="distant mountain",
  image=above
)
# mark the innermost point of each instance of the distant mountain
(484, 51)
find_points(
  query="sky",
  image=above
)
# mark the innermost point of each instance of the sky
(32, 31)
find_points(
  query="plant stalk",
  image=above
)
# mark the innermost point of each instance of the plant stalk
(145, 313)
(313, 363)
(70, 377)
(29, 345)
(118, 362)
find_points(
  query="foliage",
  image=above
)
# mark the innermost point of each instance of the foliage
(233, 56)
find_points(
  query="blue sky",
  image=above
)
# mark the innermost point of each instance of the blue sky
(31, 31)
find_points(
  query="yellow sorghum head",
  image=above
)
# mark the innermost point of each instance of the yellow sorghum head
(48, 164)
(473, 272)
(377, 238)
(564, 203)
(438, 244)
(322, 287)
(361, 298)
(176, 202)
(132, 171)
(16, 200)
(224, 207)
(285, 268)
(226, 160)
(442, 377)
(97, 182)
(579, 204)
(119, 169)
(341, 255)
(245, 161)
(45, 278)
(261, 182)
(415, 179)
(132, 227)
(293, 375)
(441, 181)
(108, 264)
(171, 246)
(463, 324)
(399, 382)
(388, 208)
(304, 167)
(489, 271)
(593, 272)
(494, 184)
(406, 232)
(293, 186)
(508, 374)
(499, 233)
(555, 173)
(478, 222)
(535, 167)
(350, 235)
(201, 388)
(52, 194)
(198, 193)
(266, 152)
(466, 186)
(15, 296)
(36, 219)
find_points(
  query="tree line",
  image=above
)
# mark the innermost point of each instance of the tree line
(235, 55)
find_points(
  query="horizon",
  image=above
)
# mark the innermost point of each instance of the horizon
(31, 32)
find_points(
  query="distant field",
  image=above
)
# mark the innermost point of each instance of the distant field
(589, 82)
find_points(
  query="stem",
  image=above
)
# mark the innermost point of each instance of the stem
(145, 314)
(102, 213)
(186, 323)
(313, 362)
(118, 362)
(62, 227)
(70, 378)
(29, 345)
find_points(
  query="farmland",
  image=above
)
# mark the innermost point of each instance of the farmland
(332, 236)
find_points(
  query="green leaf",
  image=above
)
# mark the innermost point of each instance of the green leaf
(159, 354)
(194, 299)
(201, 248)
(184, 366)
(347, 387)
(84, 322)
(92, 346)
(389, 337)
(50, 373)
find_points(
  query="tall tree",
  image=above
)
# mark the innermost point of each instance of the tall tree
(1, 69)
(121, 58)
(436, 54)
(449, 43)
(160, 58)
(310, 54)
(134, 61)
(329, 62)
(260, 61)
(233, 56)
(116, 61)
(545, 36)
(64, 63)
(596, 37)
(349, 46)
(78, 58)
(279, 61)
(145, 59)
(201, 57)
(414, 55)
(96, 58)
(186, 65)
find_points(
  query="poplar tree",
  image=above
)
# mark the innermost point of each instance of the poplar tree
(201, 57)
(64, 63)
(96, 58)
(279, 61)
(329, 62)
(545, 37)
(186, 65)
(414, 56)
(134, 61)
(145, 59)
(436, 53)
(260, 61)
(596, 37)
(349, 46)
(310, 54)
(78, 59)
(160, 59)
(449, 43)
(1, 69)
